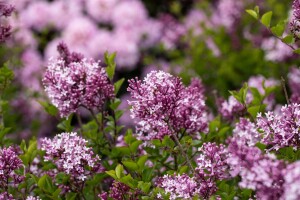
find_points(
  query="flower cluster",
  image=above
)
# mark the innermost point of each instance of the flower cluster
(211, 166)
(163, 105)
(246, 132)
(291, 181)
(295, 21)
(281, 130)
(259, 172)
(229, 109)
(178, 186)
(70, 154)
(5, 29)
(72, 81)
(118, 191)
(6, 196)
(9, 162)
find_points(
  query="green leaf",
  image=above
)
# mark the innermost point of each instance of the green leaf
(142, 160)
(297, 51)
(134, 146)
(266, 18)
(278, 30)
(145, 187)
(65, 125)
(289, 39)
(49, 108)
(119, 171)
(112, 173)
(183, 169)
(131, 165)
(71, 196)
(253, 110)
(118, 85)
(111, 65)
(252, 13)
(45, 183)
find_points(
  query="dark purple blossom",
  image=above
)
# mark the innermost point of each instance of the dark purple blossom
(9, 162)
(5, 29)
(295, 21)
(6, 196)
(72, 81)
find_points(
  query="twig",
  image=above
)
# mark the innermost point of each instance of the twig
(285, 91)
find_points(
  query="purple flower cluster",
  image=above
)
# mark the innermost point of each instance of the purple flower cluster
(178, 186)
(292, 181)
(6, 196)
(295, 21)
(262, 173)
(9, 162)
(118, 191)
(70, 155)
(72, 81)
(229, 109)
(281, 130)
(246, 132)
(5, 29)
(163, 105)
(211, 166)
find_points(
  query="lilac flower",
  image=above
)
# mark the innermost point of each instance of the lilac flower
(211, 167)
(276, 50)
(292, 181)
(294, 22)
(101, 10)
(179, 186)
(72, 81)
(6, 196)
(231, 108)
(163, 105)
(5, 29)
(70, 155)
(262, 173)
(9, 162)
(281, 130)
(119, 191)
(246, 132)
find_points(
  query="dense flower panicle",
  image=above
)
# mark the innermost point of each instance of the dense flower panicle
(292, 181)
(231, 108)
(211, 167)
(191, 111)
(259, 172)
(162, 105)
(5, 29)
(70, 154)
(178, 186)
(246, 132)
(281, 130)
(9, 161)
(72, 81)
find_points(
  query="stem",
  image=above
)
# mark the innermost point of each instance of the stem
(79, 122)
(184, 153)
(285, 91)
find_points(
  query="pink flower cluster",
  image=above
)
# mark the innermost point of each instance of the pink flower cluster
(294, 22)
(294, 84)
(163, 105)
(118, 191)
(281, 130)
(9, 162)
(72, 81)
(5, 29)
(211, 167)
(178, 186)
(259, 172)
(70, 155)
